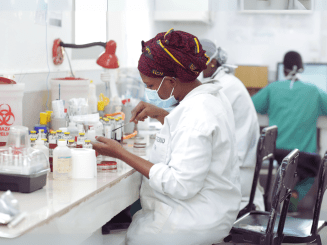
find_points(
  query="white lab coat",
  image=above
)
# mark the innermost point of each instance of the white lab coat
(193, 194)
(247, 132)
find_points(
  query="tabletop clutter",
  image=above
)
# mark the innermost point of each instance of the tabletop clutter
(61, 141)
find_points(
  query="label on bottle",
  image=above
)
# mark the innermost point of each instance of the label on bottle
(64, 165)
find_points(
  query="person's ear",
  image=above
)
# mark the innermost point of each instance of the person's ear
(172, 81)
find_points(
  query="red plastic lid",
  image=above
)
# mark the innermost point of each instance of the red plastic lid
(107, 163)
(124, 102)
(4, 80)
(70, 78)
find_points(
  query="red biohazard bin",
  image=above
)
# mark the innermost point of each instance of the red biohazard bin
(11, 108)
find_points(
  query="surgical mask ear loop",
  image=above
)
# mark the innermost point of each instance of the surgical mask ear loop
(161, 84)
(160, 87)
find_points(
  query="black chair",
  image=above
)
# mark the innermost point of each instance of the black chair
(257, 227)
(265, 150)
(298, 230)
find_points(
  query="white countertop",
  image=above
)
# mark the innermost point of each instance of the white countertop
(59, 197)
(74, 200)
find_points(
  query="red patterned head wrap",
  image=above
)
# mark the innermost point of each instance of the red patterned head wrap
(174, 53)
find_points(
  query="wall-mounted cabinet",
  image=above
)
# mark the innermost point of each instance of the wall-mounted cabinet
(183, 10)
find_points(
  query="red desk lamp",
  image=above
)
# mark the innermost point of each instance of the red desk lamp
(107, 59)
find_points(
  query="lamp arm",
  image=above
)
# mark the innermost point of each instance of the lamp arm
(68, 45)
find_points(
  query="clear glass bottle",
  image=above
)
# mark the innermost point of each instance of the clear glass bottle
(87, 144)
(62, 161)
(33, 134)
(73, 130)
(60, 135)
(45, 140)
(52, 146)
(33, 142)
(80, 140)
(67, 136)
(71, 143)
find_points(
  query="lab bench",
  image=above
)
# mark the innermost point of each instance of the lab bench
(70, 211)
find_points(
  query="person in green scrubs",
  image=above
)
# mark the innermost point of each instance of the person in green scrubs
(294, 106)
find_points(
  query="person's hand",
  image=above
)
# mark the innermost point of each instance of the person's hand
(107, 147)
(144, 110)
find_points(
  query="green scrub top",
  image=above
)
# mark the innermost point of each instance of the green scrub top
(295, 111)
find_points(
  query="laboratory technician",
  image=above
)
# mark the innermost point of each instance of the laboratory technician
(294, 106)
(247, 129)
(190, 192)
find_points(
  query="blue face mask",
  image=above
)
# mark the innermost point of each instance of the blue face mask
(152, 97)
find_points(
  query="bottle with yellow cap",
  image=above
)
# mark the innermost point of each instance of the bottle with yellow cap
(71, 144)
(92, 98)
(33, 142)
(80, 140)
(67, 136)
(62, 161)
(60, 135)
(87, 144)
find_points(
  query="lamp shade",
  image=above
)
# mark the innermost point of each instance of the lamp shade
(57, 52)
(108, 59)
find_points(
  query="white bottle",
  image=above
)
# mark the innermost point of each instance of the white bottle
(73, 130)
(92, 99)
(39, 145)
(62, 161)
(91, 134)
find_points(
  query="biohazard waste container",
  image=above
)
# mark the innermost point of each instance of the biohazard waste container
(11, 108)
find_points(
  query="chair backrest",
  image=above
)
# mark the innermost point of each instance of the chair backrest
(265, 150)
(322, 185)
(284, 183)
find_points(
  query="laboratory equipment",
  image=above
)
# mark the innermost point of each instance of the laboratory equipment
(40, 145)
(52, 146)
(62, 161)
(80, 140)
(11, 108)
(22, 168)
(67, 136)
(73, 130)
(32, 142)
(314, 73)
(87, 144)
(60, 135)
(71, 144)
